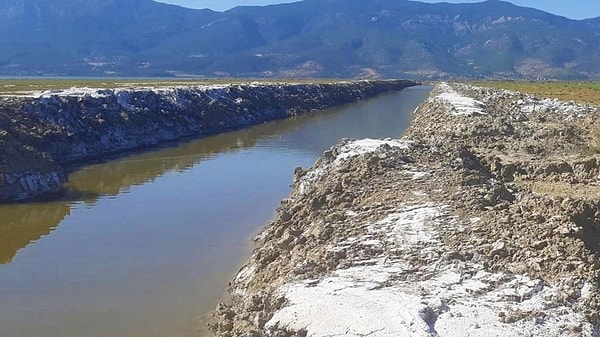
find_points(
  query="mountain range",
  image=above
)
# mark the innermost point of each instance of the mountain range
(310, 38)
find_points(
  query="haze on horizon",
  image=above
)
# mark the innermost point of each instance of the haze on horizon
(583, 9)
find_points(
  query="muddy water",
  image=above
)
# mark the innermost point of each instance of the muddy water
(144, 246)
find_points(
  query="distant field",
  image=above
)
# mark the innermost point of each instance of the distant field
(24, 86)
(584, 92)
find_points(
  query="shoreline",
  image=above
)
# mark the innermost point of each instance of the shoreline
(43, 133)
(482, 219)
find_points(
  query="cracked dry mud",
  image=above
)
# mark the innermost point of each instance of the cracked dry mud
(482, 221)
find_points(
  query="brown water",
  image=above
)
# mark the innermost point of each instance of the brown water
(144, 246)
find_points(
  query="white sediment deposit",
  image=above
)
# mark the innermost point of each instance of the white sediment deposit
(459, 104)
(481, 221)
(384, 296)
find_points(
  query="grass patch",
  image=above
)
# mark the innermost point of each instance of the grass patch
(582, 92)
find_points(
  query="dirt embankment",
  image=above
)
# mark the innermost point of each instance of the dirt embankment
(42, 133)
(484, 220)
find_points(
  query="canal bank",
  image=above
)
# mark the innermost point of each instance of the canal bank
(42, 133)
(482, 221)
(143, 245)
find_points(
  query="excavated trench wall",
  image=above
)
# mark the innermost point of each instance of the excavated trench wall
(40, 136)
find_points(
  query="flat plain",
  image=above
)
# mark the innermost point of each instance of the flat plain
(582, 92)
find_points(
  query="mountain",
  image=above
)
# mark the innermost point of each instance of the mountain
(311, 38)
(88, 37)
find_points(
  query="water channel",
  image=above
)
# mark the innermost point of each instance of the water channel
(144, 245)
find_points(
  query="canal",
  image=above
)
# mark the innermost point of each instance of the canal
(144, 245)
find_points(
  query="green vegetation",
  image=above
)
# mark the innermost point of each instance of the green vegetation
(583, 92)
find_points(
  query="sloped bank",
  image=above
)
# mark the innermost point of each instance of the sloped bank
(482, 221)
(42, 133)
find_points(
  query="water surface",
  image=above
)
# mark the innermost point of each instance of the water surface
(143, 246)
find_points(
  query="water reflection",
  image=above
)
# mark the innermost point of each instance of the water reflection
(22, 224)
(26, 223)
(110, 179)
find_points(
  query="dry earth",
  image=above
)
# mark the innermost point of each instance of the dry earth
(482, 221)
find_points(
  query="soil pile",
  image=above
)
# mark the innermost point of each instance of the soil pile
(483, 220)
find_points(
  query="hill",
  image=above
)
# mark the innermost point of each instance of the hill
(312, 38)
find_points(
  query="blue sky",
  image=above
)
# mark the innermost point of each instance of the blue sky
(576, 9)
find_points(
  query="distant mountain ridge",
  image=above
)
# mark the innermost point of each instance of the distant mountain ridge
(312, 38)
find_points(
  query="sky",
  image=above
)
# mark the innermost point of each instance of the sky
(574, 9)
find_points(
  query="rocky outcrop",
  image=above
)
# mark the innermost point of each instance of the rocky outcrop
(481, 221)
(42, 133)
